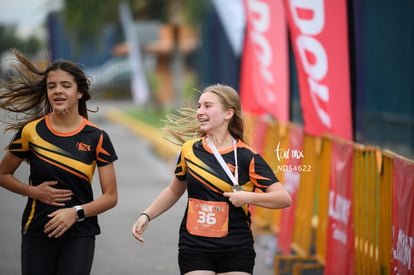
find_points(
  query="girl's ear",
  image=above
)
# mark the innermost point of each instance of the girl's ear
(229, 114)
(80, 94)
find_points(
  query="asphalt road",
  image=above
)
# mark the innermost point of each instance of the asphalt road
(141, 177)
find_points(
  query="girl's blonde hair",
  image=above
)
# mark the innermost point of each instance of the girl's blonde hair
(184, 126)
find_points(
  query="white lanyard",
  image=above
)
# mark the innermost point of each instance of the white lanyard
(234, 178)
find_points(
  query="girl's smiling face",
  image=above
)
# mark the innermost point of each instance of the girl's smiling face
(62, 92)
(211, 115)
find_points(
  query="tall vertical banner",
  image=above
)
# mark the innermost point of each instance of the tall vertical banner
(264, 78)
(139, 85)
(340, 248)
(403, 218)
(319, 38)
(232, 16)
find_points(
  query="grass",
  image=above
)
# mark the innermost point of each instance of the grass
(150, 117)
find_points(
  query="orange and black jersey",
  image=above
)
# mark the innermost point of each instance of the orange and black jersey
(68, 158)
(207, 180)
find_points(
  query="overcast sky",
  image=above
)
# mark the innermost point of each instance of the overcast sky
(26, 14)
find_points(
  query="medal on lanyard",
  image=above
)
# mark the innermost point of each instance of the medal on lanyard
(234, 178)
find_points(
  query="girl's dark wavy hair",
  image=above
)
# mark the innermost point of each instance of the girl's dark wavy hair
(24, 95)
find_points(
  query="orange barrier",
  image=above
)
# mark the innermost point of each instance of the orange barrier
(277, 133)
(260, 141)
(306, 202)
(366, 204)
(372, 205)
(385, 213)
(312, 199)
(323, 201)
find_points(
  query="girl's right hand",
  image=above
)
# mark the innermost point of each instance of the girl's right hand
(46, 193)
(139, 227)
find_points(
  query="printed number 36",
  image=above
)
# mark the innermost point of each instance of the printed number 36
(207, 218)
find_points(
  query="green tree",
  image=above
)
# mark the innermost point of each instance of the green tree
(9, 39)
(87, 19)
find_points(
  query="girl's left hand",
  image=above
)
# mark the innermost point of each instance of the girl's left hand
(139, 227)
(61, 221)
(237, 198)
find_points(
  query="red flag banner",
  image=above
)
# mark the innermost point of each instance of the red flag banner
(264, 78)
(340, 237)
(318, 31)
(291, 179)
(403, 218)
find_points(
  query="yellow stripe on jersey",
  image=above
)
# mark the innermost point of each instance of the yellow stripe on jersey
(68, 164)
(30, 218)
(53, 154)
(202, 171)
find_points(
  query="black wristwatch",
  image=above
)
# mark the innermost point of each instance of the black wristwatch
(80, 214)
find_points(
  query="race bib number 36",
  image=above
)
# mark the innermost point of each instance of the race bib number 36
(207, 218)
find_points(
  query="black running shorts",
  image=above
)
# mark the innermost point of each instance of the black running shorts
(241, 260)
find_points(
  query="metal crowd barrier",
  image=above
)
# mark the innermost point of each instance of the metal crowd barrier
(372, 202)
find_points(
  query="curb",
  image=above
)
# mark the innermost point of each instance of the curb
(162, 147)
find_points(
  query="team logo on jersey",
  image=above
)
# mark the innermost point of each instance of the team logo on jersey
(83, 147)
(231, 167)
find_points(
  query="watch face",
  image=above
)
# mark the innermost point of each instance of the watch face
(80, 214)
